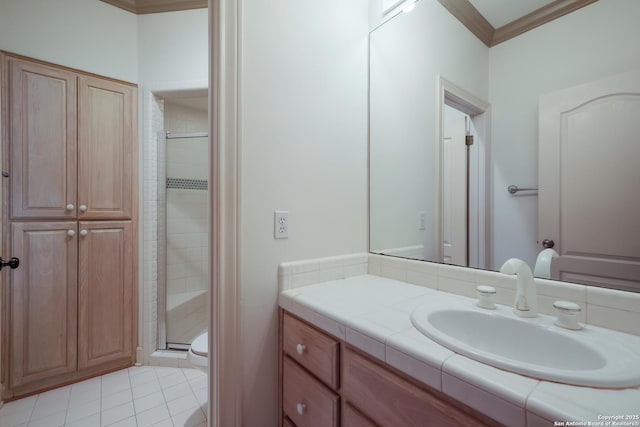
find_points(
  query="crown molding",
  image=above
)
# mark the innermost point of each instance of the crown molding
(537, 18)
(142, 7)
(469, 16)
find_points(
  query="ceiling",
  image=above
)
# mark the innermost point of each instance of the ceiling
(501, 12)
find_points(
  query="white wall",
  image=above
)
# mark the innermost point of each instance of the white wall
(174, 49)
(594, 42)
(303, 149)
(85, 34)
(408, 53)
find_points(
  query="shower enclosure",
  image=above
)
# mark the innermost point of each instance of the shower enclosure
(183, 275)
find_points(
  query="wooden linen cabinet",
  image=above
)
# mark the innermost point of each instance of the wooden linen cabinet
(70, 215)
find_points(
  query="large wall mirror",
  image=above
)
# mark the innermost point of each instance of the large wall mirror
(479, 154)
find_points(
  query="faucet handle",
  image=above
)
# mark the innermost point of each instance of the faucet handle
(567, 313)
(485, 297)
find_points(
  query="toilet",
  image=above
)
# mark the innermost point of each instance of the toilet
(198, 354)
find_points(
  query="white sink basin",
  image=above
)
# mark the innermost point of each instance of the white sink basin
(593, 357)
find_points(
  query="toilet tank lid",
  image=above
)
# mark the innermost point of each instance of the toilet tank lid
(200, 345)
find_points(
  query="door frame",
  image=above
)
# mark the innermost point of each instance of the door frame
(5, 244)
(225, 333)
(482, 195)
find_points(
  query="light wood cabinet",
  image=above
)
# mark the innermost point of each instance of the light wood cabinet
(368, 392)
(73, 147)
(351, 417)
(306, 401)
(106, 113)
(44, 302)
(70, 309)
(42, 105)
(391, 400)
(312, 349)
(106, 293)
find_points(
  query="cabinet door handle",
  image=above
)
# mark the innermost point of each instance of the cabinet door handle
(71, 233)
(70, 207)
(300, 407)
(83, 232)
(13, 263)
(301, 348)
(83, 208)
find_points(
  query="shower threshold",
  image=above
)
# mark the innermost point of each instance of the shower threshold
(176, 346)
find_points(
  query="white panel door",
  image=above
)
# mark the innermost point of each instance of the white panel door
(454, 193)
(589, 178)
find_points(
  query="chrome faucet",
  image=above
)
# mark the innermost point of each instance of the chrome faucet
(526, 303)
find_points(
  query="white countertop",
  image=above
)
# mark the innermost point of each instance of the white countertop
(373, 314)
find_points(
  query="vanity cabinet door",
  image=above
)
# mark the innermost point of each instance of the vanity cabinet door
(392, 401)
(351, 417)
(306, 401)
(312, 349)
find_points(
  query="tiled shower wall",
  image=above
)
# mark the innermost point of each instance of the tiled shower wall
(153, 124)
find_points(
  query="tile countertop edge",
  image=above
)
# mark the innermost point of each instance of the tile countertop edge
(289, 300)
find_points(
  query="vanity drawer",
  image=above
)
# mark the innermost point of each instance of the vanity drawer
(305, 400)
(312, 349)
(392, 401)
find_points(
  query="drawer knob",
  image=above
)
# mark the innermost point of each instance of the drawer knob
(300, 407)
(83, 208)
(301, 348)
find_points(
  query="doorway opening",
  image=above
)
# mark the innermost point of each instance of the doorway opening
(464, 178)
(182, 220)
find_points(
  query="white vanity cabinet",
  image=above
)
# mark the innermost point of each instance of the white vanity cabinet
(325, 382)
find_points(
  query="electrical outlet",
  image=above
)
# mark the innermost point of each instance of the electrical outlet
(281, 225)
(422, 220)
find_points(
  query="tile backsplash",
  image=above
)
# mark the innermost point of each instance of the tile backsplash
(608, 308)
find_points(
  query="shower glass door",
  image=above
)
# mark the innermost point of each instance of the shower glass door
(183, 226)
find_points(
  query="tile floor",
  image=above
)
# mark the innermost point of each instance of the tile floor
(137, 397)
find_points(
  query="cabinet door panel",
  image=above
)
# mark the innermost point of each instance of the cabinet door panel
(366, 384)
(106, 318)
(43, 138)
(43, 301)
(351, 417)
(106, 149)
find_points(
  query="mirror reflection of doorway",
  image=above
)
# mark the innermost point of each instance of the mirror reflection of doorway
(464, 178)
(455, 180)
